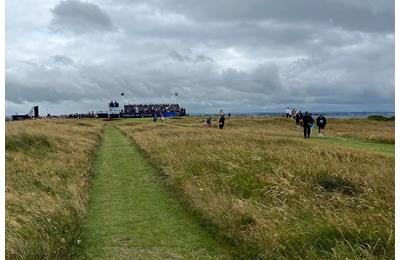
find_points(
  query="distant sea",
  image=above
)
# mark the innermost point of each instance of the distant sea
(327, 114)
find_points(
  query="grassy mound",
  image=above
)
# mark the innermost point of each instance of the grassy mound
(47, 175)
(275, 195)
(380, 118)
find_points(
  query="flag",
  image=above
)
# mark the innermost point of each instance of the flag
(122, 94)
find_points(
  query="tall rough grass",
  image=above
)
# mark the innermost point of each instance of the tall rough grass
(273, 194)
(369, 130)
(47, 176)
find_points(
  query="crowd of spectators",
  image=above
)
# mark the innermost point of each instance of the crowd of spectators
(146, 109)
(74, 115)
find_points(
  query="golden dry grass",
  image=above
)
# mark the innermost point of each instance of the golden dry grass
(369, 130)
(275, 195)
(47, 177)
(363, 129)
(257, 183)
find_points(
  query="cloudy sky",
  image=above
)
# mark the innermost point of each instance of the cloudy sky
(242, 56)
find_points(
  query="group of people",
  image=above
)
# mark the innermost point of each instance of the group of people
(221, 122)
(113, 104)
(75, 115)
(307, 122)
(154, 108)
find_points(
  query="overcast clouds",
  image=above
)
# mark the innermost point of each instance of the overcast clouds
(74, 56)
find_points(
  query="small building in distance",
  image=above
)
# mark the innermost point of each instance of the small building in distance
(19, 117)
(33, 114)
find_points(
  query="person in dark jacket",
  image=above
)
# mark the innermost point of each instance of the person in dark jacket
(208, 122)
(301, 118)
(307, 121)
(312, 122)
(321, 122)
(221, 122)
(297, 117)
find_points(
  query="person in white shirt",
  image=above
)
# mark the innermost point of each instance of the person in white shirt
(288, 112)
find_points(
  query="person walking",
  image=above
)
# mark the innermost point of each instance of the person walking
(208, 122)
(301, 118)
(287, 112)
(307, 121)
(297, 117)
(321, 123)
(312, 123)
(221, 122)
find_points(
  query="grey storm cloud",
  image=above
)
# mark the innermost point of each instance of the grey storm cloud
(79, 17)
(187, 56)
(20, 94)
(258, 55)
(365, 15)
(37, 81)
(63, 60)
(264, 79)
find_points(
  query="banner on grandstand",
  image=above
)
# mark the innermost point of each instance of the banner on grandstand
(170, 114)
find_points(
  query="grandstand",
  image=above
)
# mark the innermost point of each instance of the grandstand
(151, 110)
(115, 111)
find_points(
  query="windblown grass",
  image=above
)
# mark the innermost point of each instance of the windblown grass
(362, 129)
(369, 130)
(275, 195)
(47, 176)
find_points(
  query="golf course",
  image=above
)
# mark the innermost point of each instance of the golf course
(138, 189)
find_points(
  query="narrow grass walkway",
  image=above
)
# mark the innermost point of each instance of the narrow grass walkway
(131, 215)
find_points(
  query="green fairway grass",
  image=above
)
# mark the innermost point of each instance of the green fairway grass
(131, 215)
(382, 148)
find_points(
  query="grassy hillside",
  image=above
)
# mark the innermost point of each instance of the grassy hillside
(47, 176)
(260, 185)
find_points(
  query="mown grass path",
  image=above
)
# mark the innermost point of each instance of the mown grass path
(381, 148)
(131, 215)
